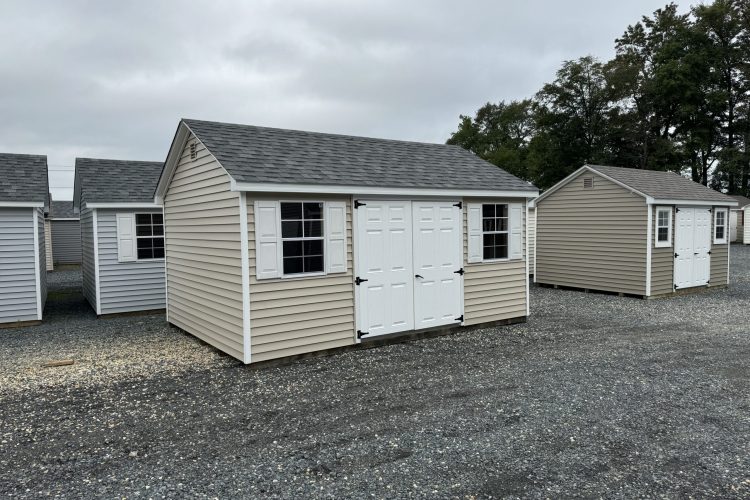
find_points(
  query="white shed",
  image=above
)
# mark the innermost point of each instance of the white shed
(122, 235)
(281, 243)
(65, 233)
(24, 193)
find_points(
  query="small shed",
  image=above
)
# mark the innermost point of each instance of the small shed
(23, 273)
(65, 231)
(739, 228)
(282, 242)
(122, 234)
(632, 231)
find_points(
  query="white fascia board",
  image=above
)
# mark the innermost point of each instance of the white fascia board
(64, 218)
(659, 201)
(586, 168)
(377, 191)
(21, 204)
(123, 205)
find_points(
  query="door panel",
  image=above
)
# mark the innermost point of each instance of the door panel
(701, 247)
(384, 256)
(683, 247)
(437, 256)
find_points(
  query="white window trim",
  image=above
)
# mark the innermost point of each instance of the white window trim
(507, 232)
(668, 243)
(721, 241)
(281, 240)
(135, 234)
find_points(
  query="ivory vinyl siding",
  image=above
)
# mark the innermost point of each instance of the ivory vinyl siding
(662, 260)
(494, 291)
(531, 223)
(719, 256)
(17, 265)
(48, 244)
(746, 226)
(592, 237)
(203, 254)
(42, 257)
(66, 241)
(300, 315)
(126, 286)
(88, 268)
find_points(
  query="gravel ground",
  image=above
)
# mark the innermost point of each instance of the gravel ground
(596, 396)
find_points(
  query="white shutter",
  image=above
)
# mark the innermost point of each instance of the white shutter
(474, 216)
(267, 240)
(516, 233)
(126, 245)
(335, 224)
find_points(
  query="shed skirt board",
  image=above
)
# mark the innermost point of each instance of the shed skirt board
(407, 256)
(692, 242)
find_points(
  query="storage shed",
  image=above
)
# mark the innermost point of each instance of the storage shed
(739, 229)
(632, 231)
(23, 274)
(122, 235)
(65, 230)
(281, 242)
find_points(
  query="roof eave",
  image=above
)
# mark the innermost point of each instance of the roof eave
(700, 203)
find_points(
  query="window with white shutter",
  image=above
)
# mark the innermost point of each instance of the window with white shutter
(267, 240)
(495, 231)
(126, 237)
(335, 223)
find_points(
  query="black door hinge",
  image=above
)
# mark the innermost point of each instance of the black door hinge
(675, 286)
(460, 271)
(676, 209)
(460, 318)
(709, 252)
(361, 334)
(358, 280)
(358, 204)
(675, 255)
(460, 205)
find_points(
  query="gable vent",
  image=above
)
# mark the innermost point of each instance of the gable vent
(193, 153)
(588, 182)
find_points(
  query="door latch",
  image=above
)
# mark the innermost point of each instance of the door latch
(419, 276)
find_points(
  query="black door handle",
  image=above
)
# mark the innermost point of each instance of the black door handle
(418, 276)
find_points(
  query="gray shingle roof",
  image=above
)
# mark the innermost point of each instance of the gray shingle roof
(62, 210)
(742, 200)
(115, 181)
(662, 185)
(277, 156)
(23, 178)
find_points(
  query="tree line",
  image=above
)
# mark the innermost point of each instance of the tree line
(676, 96)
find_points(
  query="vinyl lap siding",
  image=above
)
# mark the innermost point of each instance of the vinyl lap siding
(88, 269)
(42, 256)
(493, 291)
(592, 238)
(17, 265)
(719, 258)
(66, 241)
(532, 238)
(296, 316)
(48, 244)
(204, 263)
(662, 261)
(126, 286)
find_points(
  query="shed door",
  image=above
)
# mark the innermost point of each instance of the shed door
(384, 253)
(692, 241)
(437, 257)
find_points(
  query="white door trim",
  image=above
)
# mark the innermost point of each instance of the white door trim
(37, 271)
(245, 269)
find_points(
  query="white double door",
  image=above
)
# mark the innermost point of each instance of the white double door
(692, 241)
(408, 257)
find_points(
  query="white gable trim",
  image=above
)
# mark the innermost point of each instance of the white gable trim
(377, 191)
(124, 205)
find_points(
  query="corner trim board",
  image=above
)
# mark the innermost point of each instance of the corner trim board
(245, 251)
(94, 216)
(649, 233)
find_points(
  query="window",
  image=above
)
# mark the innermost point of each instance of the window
(588, 182)
(149, 232)
(302, 237)
(494, 231)
(663, 227)
(720, 225)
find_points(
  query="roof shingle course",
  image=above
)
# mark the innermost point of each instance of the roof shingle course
(23, 178)
(277, 156)
(116, 181)
(62, 210)
(662, 185)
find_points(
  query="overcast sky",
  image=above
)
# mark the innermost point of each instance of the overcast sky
(112, 79)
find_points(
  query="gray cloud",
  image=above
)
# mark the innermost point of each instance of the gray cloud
(111, 79)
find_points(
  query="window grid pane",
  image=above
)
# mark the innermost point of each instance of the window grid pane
(149, 230)
(494, 231)
(302, 237)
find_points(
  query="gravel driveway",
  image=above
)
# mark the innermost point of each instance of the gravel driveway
(595, 396)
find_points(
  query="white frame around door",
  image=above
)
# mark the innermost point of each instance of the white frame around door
(356, 259)
(678, 236)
